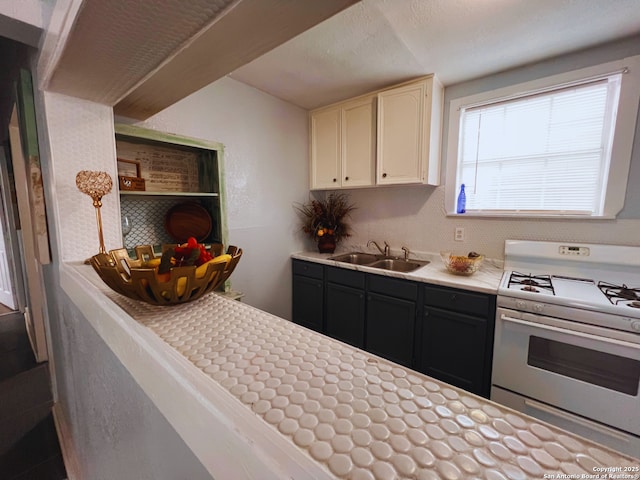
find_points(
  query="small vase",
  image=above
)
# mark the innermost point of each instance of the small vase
(327, 243)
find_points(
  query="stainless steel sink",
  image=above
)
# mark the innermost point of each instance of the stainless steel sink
(398, 264)
(357, 258)
(380, 261)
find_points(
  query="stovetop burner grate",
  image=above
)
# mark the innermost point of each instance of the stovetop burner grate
(531, 283)
(620, 293)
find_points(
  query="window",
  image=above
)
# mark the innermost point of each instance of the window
(560, 146)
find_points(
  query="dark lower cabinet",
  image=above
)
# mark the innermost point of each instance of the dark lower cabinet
(392, 305)
(345, 305)
(443, 332)
(345, 314)
(308, 295)
(457, 337)
(453, 349)
(390, 328)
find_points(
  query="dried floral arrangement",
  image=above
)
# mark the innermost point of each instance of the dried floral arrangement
(326, 217)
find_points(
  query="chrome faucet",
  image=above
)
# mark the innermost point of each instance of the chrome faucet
(386, 251)
(406, 253)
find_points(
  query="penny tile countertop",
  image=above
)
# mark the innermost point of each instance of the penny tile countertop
(486, 279)
(334, 411)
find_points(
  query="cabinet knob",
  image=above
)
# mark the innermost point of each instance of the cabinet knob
(346, 178)
(454, 297)
(426, 313)
(384, 175)
(335, 179)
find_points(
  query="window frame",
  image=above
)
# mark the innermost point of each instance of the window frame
(621, 150)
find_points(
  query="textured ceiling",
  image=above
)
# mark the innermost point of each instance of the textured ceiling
(244, 32)
(380, 42)
(144, 55)
(114, 45)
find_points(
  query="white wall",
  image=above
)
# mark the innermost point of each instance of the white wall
(81, 137)
(415, 216)
(266, 171)
(116, 429)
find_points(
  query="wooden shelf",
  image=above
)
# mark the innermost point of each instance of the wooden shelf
(176, 170)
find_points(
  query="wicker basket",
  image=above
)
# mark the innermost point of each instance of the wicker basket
(461, 264)
(129, 277)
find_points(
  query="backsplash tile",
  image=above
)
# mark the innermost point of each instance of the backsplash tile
(147, 216)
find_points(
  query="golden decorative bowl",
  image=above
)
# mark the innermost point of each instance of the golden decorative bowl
(461, 264)
(131, 278)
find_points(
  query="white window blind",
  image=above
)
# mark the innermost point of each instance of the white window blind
(545, 152)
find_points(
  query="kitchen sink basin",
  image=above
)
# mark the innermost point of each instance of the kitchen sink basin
(357, 258)
(380, 261)
(398, 264)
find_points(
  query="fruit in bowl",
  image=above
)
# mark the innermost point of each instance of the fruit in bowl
(183, 273)
(462, 264)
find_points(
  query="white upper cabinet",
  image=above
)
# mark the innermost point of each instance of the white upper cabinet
(388, 137)
(326, 148)
(359, 142)
(408, 134)
(343, 145)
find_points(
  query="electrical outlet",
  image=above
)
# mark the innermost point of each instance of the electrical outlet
(459, 235)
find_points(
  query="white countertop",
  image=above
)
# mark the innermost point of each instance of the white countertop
(258, 397)
(486, 279)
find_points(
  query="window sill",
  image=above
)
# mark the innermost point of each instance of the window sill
(530, 216)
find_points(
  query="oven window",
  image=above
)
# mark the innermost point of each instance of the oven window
(598, 368)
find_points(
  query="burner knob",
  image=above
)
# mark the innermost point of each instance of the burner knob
(521, 304)
(635, 325)
(538, 307)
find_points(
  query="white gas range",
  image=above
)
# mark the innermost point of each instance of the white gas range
(567, 341)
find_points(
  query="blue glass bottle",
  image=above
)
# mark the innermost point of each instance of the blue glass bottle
(462, 201)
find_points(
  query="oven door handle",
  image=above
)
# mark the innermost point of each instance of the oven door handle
(551, 328)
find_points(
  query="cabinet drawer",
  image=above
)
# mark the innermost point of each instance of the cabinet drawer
(308, 269)
(393, 287)
(458, 300)
(349, 278)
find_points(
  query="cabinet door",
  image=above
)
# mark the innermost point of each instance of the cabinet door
(390, 328)
(401, 134)
(409, 130)
(308, 302)
(345, 314)
(454, 350)
(326, 148)
(358, 142)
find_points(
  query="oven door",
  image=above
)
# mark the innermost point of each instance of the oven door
(588, 374)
